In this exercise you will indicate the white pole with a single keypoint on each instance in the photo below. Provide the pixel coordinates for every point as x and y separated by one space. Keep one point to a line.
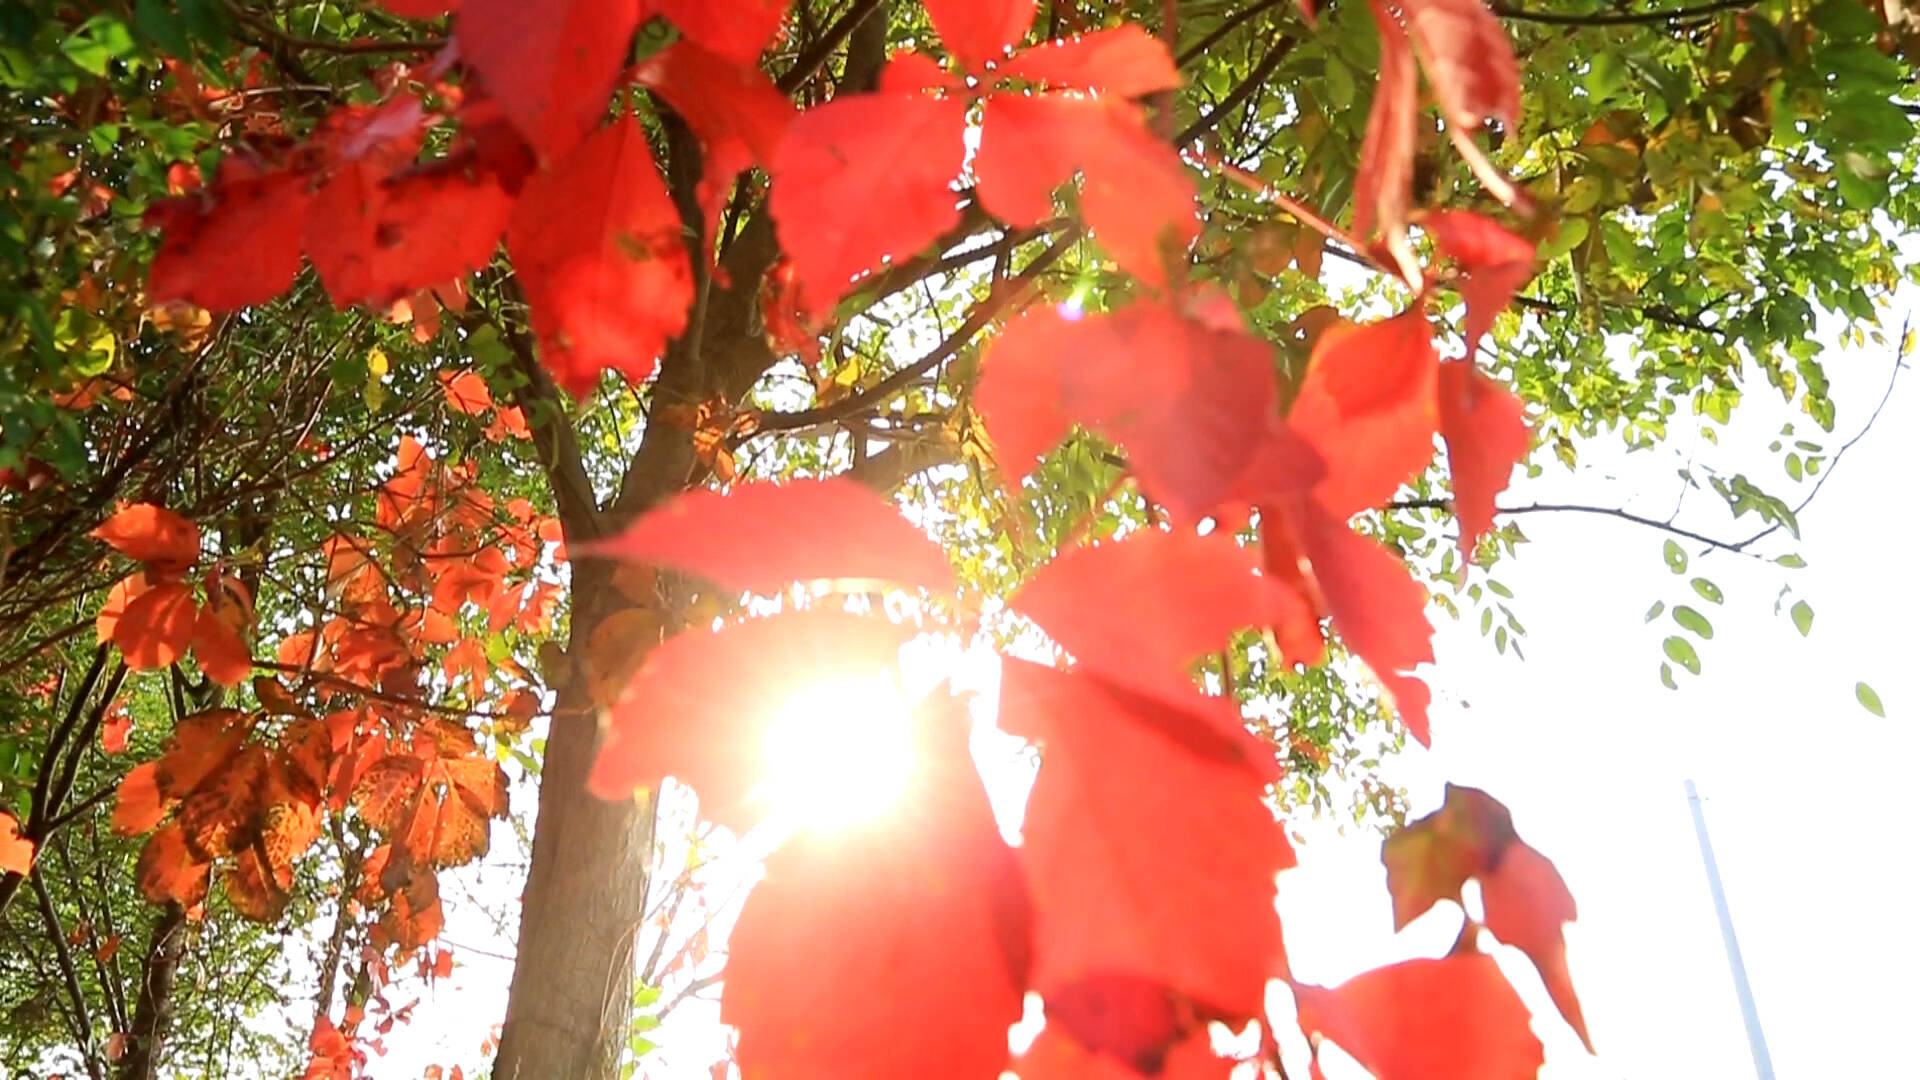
1762 1064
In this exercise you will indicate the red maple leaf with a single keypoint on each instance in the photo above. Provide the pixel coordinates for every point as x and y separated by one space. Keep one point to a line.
735 111
1369 405
976 31
231 245
596 244
1494 263
761 537
1449 1019
550 64
897 949
1486 432
735 29
1149 847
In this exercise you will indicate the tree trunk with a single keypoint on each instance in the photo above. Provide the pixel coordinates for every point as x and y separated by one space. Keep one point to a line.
155 1006
572 992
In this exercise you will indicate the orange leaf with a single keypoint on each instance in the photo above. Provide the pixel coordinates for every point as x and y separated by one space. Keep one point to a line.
165 541
1124 62
466 391
976 31
114 731
1449 1019
138 806
1485 427
1527 904
156 627
16 852
221 650
597 245
169 871
1369 404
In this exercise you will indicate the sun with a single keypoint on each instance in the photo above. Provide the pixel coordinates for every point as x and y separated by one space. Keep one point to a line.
838 754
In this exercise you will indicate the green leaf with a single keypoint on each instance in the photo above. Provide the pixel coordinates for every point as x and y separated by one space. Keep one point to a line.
1500 590
1792 562
1869 700
98 42
1676 558
1654 611
1803 617
1680 651
1708 590
1666 677
1694 621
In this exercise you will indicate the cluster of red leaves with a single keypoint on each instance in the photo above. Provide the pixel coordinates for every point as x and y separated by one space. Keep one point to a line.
1141 904
152 615
467 392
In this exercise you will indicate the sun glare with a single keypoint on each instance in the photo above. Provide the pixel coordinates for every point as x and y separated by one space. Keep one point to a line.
838 754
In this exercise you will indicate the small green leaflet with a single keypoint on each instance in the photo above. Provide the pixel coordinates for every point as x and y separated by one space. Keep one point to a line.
1676 558
1680 651
1869 700
1803 617
1654 611
1791 562
1666 677
1694 621
1708 590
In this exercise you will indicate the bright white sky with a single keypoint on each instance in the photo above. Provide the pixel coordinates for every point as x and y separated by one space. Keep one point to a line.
1807 794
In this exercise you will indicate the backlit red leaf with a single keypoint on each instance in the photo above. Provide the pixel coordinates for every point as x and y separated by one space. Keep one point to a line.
1190 403
221 649
734 110
1494 263
898 948
1430 859
861 179
1527 904
1164 1052
165 541
1149 849
376 239
551 64
761 537
156 627
137 805
233 244
114 731
466 391
1125 62
1383 182
1485 428
1449 1019
976 31
1376 605
735 29
1369 404
1468 59
16 852
696 713
168 871
597 246
1166 598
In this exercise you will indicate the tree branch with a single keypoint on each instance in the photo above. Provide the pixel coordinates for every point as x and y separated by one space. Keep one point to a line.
1615 18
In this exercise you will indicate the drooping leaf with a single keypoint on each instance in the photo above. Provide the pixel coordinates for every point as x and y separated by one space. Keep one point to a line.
1376 605
1167 598
16 852
761 537
550 64
1486 433
1802 613
232 244
861 179
597 246
1454 1018
1124 62
168 871
1468 59
156 627
221 649
735 29
1494 264
976 31
696 713
1383 182
1869 699
201 745
1370 404
735 111
1149 850
1527 904
166 542
900 948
